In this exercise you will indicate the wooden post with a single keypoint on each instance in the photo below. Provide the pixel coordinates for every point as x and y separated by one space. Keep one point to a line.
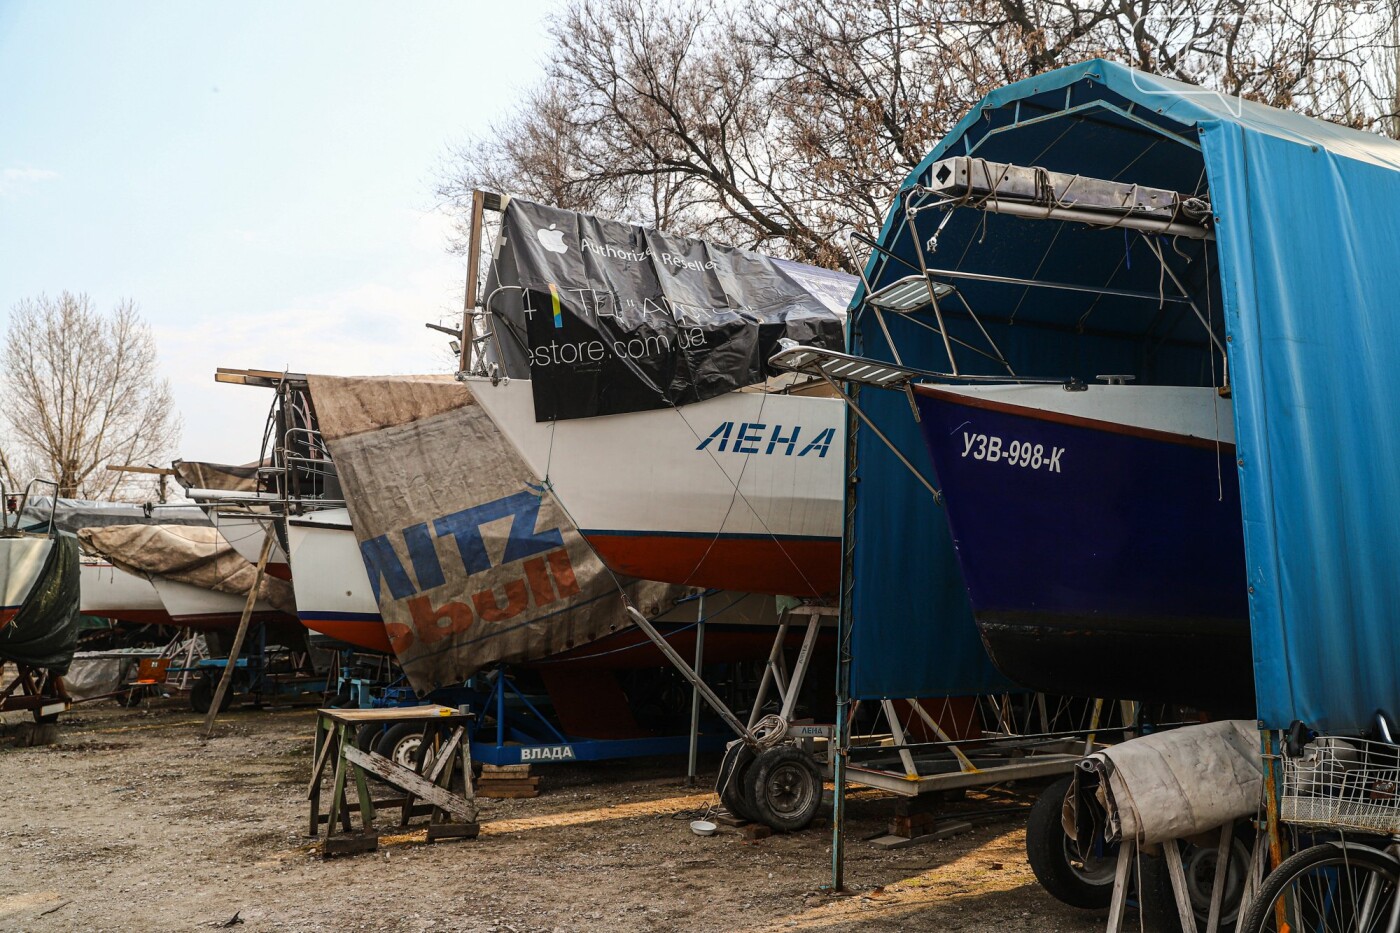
1171 851
224 681
473 261
1122 871
1223 851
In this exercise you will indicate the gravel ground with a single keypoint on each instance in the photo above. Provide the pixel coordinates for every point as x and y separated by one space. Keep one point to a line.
133 822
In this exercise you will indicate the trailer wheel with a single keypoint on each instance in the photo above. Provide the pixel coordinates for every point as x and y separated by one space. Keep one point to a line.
367 736
1159 901
202 695
732 784
400 745
785 788
132 698
1061 871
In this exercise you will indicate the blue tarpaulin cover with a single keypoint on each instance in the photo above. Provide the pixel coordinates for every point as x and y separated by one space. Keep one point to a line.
1303 281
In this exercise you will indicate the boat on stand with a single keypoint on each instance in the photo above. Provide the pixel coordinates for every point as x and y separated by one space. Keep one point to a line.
647 407
740 492
1097 526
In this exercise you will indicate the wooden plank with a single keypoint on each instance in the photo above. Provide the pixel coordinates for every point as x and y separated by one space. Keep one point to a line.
495 783
416 784
499 794
324 737
469 295
349 844
1177 873
227 679
418 809
337 787
1222 864
366 803
1122 874
323 750
400 714
445 755
943 831
438 831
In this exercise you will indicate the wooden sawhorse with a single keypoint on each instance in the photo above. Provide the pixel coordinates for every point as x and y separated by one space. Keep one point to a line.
425 787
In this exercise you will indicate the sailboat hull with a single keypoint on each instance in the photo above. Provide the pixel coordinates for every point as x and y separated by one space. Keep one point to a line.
1099 536
739 492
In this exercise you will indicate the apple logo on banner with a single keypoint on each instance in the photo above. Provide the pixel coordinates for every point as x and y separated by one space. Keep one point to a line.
552 240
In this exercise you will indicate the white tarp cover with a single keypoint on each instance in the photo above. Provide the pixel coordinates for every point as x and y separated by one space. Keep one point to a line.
1174 784
192 554
471 562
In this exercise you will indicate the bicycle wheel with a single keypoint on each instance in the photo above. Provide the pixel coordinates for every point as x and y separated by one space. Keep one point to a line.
1330 888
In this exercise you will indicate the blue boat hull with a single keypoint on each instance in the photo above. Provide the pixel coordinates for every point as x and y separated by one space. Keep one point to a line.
1098 561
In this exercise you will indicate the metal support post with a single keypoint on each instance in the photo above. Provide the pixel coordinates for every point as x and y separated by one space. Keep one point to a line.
690 773
774 655
699 684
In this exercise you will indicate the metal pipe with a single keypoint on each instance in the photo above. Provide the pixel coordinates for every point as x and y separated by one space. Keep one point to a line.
1097 219
690 772
1062 286
937 496
932 292
696 681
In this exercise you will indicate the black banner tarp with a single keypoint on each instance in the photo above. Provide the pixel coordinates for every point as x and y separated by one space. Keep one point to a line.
607 317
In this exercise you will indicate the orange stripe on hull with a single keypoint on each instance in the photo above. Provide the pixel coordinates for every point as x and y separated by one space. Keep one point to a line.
786 567
370 635
280 571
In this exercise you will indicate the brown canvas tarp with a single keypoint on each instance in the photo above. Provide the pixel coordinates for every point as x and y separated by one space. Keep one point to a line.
186 554
471 561
226 477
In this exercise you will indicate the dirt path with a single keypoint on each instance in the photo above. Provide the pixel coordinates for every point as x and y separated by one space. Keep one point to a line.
132 822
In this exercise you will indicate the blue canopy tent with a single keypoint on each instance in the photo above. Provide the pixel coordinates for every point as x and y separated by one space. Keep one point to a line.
1300 283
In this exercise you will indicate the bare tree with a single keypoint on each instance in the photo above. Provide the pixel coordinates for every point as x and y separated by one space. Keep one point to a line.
784 126
81 390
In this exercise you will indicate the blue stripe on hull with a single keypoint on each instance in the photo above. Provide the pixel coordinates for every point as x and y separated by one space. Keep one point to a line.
1128 539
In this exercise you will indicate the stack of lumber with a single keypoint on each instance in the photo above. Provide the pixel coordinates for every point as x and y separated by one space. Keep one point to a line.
502 781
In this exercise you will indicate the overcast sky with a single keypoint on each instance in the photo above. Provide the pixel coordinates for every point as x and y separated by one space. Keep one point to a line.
256 176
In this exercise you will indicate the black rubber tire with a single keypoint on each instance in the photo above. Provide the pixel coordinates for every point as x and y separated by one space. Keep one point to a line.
394 736
1261 916
202 694
367 736
1049 851
785 788
731 784
132 698
1158 901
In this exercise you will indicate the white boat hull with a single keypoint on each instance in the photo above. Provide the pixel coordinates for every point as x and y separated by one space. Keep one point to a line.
109 592
21 562
193 607
333 592
334 598
246 535
740 492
